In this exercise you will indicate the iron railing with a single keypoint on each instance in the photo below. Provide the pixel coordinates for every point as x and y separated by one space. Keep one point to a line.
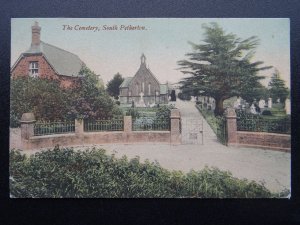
150 123
48 128
282 126
114 124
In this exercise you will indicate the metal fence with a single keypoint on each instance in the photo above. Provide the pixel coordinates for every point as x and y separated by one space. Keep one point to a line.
114 124
150 123
48 128
282 126
258 123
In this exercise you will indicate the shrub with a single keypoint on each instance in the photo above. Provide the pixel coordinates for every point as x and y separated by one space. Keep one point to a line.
266 113
134 113
184 96
91 173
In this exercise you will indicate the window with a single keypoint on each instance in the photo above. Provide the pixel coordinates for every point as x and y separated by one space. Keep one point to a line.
149 89
33 69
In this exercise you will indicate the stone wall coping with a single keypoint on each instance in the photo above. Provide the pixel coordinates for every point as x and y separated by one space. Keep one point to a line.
27 121
262 133
52 136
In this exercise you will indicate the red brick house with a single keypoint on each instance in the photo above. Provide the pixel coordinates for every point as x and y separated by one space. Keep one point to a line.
47 61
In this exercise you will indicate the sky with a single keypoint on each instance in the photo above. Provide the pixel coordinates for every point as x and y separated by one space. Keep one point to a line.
164 41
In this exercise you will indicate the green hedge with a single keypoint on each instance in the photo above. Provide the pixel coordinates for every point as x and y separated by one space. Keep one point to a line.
91 173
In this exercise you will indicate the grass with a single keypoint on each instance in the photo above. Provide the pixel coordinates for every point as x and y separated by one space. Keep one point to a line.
210 118
90 173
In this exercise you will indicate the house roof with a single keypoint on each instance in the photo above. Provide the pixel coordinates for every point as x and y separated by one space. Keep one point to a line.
125 83
63 62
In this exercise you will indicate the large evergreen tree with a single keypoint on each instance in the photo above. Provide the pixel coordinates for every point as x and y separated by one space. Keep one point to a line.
277 87
221 66
114 84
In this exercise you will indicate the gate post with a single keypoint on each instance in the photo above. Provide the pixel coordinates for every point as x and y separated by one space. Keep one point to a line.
127 124
175 126
231 126
27 126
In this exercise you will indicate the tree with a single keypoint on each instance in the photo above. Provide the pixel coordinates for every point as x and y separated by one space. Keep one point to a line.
43 97
258 92
114 84
173 96
89 100
221 66
277 87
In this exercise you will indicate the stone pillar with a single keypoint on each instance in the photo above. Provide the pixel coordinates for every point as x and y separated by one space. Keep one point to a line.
79 127
231 127
175 126
127 124
27 126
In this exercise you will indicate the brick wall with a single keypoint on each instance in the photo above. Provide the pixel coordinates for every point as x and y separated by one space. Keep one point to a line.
274 141
27 141
45 70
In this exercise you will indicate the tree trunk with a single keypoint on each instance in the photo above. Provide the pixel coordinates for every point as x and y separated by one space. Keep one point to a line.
219 110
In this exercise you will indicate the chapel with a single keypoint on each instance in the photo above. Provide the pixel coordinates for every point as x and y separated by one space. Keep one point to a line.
143 89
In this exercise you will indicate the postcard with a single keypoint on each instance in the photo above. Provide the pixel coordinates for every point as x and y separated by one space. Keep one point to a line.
150 108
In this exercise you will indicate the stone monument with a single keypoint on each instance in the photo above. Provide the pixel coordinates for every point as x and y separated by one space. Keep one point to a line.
270 103
261 103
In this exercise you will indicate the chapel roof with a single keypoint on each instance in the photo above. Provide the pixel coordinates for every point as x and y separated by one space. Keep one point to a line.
126 82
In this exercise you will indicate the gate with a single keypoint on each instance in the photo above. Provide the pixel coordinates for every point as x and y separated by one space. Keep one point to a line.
222 131
192 130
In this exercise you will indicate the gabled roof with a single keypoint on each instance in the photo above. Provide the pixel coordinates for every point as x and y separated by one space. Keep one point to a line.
63 62
125 83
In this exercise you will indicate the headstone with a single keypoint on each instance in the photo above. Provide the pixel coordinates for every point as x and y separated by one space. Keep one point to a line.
261 103
253 109
270 103
288 106
141 102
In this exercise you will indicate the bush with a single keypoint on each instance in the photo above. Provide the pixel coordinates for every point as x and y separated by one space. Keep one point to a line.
266 113
184 96
91 173
48 101
134 113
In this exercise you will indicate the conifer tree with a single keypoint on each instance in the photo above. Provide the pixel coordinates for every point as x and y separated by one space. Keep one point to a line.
222 66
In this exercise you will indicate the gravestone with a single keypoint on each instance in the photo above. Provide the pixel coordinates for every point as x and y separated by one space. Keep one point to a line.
288 106
270 103
141 102
261 103
253 109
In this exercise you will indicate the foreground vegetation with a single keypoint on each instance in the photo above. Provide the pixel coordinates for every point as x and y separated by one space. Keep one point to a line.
92 173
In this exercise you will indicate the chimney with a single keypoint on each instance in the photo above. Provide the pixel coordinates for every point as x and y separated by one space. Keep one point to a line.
36 34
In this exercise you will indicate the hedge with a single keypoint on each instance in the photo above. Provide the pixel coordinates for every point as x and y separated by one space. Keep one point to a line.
90 173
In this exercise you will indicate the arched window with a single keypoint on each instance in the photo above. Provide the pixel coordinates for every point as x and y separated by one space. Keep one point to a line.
137 88
143 87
